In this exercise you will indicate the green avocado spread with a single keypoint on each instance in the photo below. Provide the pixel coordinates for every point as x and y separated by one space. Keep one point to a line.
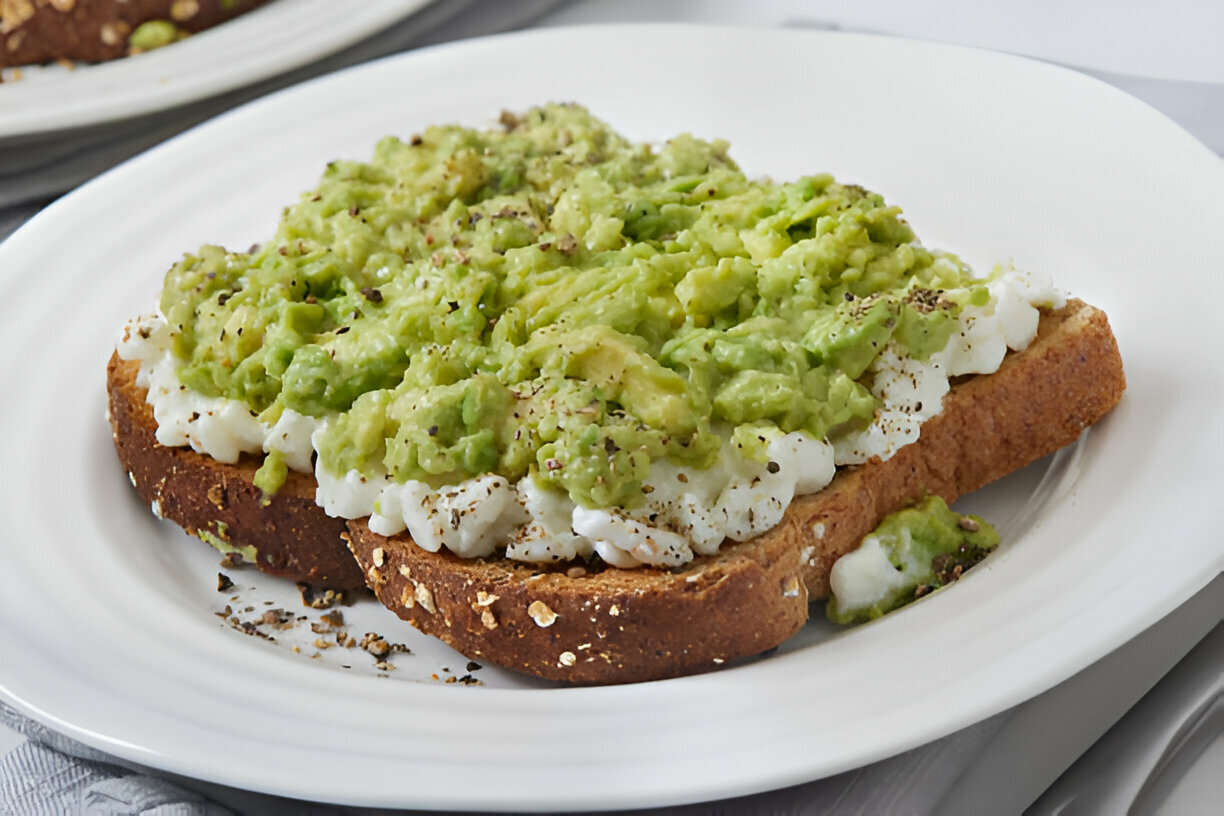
927 546
548 296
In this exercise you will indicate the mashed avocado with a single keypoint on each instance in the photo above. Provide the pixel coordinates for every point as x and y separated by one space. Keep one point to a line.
911 553
549 297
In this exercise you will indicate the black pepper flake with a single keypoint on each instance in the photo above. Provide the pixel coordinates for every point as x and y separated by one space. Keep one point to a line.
473 666
223 582
433 430
773 467
371 294
508 120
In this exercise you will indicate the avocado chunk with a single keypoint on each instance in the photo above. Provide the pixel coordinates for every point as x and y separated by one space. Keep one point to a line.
910 554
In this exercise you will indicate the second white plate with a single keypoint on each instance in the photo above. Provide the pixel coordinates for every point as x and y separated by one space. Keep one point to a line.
266 41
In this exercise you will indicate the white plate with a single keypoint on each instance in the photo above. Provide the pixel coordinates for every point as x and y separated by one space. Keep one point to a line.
262 43
108 628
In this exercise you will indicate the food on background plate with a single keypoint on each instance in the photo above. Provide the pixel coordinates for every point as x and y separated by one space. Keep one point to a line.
37 31
595 410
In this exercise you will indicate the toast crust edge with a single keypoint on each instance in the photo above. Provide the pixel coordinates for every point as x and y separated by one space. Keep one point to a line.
290 535
559 622
752 595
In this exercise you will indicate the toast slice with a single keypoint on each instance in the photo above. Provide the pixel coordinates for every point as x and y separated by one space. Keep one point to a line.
589 625
96 30
594 624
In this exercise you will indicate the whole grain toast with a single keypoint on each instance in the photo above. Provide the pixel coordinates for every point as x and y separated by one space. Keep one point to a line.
35 31
598 624
613 626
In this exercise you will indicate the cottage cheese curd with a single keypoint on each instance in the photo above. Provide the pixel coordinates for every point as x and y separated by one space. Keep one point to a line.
686 511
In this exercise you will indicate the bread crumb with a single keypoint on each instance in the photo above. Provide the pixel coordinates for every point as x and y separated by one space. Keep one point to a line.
425 598
378 556
320 598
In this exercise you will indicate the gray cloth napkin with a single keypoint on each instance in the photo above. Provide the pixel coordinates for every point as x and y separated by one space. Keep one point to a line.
51 774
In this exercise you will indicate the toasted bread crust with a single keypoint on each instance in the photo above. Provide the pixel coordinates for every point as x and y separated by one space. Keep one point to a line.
753 595
598 626
291 535
34 31
594 624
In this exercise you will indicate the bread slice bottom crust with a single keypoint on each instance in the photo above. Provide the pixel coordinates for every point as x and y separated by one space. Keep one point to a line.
286 535
590 625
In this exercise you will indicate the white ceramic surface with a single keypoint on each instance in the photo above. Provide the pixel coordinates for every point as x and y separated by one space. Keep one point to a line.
262 43
109 628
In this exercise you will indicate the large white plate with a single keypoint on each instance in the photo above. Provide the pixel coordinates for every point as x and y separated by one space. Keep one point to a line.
264 42
108 628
